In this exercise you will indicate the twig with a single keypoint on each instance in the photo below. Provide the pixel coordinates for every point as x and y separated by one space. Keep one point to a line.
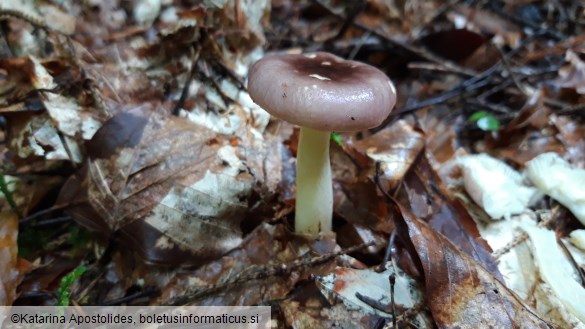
34 21
355 8
392 280
481 103
146 292
520 238
205 75
185 91
260 272
443 10
480 81
410 48
553 33
572 109
42 212
359 45
508 68
52 221
218 59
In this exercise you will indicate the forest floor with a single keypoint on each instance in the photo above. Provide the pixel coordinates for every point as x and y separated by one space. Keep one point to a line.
136 169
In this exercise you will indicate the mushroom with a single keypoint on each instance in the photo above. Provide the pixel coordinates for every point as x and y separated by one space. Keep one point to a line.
321 93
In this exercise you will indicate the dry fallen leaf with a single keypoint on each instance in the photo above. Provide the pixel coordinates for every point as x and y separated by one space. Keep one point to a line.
245 275
171 190
429 200
48 115
369 292
573 74
395 148
11 268
460 292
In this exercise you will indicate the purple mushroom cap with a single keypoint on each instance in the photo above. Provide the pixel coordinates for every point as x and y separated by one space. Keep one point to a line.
322 91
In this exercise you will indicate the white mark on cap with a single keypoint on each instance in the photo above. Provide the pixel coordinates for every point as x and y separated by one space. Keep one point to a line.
353 66
310 55
320 77
392 87
326 63
306 88
314 86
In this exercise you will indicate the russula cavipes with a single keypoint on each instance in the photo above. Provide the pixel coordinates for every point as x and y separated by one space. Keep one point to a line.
321 93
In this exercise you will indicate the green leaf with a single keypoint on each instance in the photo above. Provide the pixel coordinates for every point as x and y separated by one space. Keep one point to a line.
485 121
478 115
336 137
66 283
488 123
8 195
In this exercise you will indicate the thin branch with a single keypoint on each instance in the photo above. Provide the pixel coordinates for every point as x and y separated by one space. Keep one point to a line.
260 272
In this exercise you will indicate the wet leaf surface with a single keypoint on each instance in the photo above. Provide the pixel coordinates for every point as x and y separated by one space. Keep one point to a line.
428 200
461 293
12 269
132 148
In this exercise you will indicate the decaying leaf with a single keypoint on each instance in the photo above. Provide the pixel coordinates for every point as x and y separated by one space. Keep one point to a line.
570 135
358 201
168 187
429 200
460 292
573 74
245 275
57 133
11 268
45 13
369 292
395 148
210 190
308 309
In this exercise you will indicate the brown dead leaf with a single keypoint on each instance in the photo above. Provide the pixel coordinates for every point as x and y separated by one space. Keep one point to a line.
571 134
267 246
430 201
454 44
63 117
529 134
357 199
45 275
482 20
359 204
173 191
11 268
460 292
533 114
572 75
308 309
406 17
440 138
395 148
45 13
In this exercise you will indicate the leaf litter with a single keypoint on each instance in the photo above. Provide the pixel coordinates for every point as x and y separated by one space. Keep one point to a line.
131 122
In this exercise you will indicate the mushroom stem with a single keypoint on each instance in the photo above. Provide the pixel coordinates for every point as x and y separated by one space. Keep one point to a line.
314 205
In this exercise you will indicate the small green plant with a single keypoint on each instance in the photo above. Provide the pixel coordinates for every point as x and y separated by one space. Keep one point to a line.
67 281
336 137
8 195
485 121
